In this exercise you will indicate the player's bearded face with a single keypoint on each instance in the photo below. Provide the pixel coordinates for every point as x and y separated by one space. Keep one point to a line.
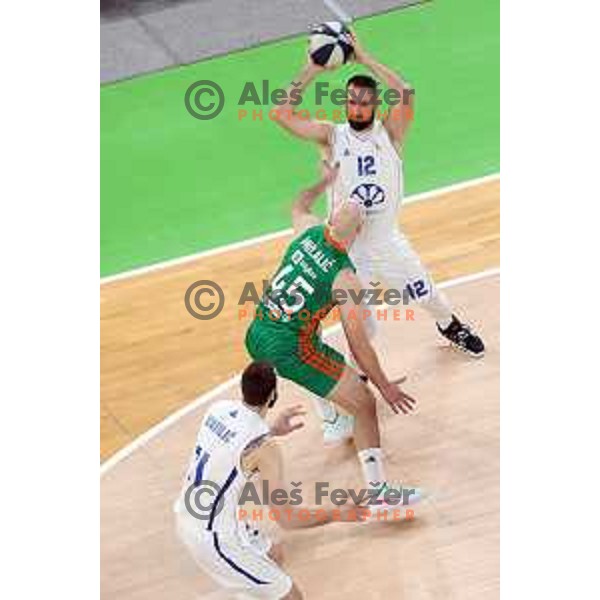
360 107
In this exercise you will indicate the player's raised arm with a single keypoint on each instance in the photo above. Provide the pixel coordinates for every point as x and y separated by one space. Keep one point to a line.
400 115
362 350
306 129
302 215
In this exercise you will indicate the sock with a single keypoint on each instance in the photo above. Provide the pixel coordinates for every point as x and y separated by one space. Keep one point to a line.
371 461
444 323
439 308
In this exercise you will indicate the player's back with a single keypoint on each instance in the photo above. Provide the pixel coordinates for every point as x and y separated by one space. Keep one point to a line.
370 174
227 429
300 292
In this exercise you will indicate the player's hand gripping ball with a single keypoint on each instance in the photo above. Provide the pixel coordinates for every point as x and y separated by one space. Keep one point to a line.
330 45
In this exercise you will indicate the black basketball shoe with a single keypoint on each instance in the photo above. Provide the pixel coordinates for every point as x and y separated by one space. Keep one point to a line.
463 338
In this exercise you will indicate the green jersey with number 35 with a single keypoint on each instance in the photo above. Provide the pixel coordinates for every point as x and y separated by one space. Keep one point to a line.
302 288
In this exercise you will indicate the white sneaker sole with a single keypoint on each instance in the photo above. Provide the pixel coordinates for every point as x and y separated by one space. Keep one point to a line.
464 350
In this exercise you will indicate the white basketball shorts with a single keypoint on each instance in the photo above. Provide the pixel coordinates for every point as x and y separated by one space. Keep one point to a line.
236 561
391 262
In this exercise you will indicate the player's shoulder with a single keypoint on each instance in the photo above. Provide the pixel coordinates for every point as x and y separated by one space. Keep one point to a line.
336 126
337 131
325 132
232 412
340 128
346 278
316 228
222 406
380 129
308 228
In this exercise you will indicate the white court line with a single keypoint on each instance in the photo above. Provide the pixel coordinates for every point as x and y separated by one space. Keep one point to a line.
468 278
208 396
278 234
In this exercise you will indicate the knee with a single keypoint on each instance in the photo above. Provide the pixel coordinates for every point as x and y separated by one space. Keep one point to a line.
293 594
276 553
366 405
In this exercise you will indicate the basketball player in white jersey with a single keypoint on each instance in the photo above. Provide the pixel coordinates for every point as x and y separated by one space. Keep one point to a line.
234 444
369 152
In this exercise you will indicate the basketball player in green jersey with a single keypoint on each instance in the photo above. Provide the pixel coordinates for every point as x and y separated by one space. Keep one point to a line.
315 275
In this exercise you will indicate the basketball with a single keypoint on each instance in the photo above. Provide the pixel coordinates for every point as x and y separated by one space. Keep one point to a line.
330 45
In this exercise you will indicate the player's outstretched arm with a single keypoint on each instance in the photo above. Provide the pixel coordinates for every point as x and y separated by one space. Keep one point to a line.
306 129
400 115
351 312
302 215
288 421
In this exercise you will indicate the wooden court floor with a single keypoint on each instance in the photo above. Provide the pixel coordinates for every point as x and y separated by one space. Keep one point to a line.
156 358
450 447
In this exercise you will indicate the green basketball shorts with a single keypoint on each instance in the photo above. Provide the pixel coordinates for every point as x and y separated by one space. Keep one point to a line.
297 355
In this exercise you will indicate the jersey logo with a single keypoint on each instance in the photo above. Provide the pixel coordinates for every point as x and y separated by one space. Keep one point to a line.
370 194
346 152
233 414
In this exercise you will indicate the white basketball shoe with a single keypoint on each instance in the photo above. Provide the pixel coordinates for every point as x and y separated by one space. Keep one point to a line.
392 501
338 431
337 428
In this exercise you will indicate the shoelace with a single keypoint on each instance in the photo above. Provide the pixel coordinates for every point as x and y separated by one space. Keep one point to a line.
463 333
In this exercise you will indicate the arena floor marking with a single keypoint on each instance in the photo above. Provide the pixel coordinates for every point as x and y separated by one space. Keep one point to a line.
430 194
206 397
153 362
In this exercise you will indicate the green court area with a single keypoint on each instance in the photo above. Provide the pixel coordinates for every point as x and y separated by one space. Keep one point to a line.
173 185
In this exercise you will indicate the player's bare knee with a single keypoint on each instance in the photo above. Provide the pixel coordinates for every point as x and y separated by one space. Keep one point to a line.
293 594
276 553
366 405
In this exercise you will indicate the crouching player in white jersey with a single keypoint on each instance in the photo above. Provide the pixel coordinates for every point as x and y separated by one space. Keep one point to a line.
369 152
235 443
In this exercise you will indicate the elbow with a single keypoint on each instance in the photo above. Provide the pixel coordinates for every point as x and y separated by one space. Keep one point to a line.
282 114
277 112
304 201
409 97
298 207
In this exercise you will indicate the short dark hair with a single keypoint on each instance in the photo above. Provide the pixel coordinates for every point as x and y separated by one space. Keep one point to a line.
258 382
362 81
